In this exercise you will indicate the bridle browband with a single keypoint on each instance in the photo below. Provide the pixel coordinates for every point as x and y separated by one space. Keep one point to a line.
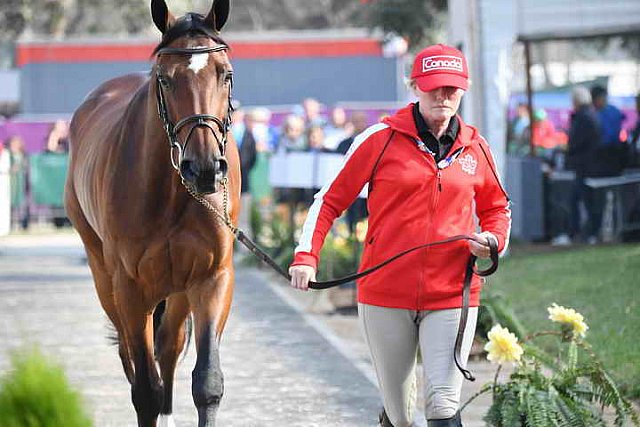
201 120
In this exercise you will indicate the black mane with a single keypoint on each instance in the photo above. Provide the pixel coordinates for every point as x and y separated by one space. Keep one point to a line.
192 24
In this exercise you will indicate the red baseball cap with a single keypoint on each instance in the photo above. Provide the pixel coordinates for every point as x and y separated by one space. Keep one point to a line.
440 65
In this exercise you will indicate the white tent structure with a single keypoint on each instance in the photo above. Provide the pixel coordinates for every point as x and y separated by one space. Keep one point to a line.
486 31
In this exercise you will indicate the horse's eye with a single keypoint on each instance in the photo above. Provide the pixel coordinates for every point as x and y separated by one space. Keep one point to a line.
164 82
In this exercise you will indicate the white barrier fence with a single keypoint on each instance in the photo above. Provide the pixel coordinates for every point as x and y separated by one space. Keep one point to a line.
305 169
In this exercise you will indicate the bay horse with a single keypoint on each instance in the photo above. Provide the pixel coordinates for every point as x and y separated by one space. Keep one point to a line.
147 239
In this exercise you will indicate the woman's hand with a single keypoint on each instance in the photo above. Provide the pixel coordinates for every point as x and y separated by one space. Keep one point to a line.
301 275
481 250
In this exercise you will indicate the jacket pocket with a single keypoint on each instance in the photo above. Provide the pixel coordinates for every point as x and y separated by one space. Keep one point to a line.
368 253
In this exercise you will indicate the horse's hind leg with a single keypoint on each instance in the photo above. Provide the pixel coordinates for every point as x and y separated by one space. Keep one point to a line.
170 341
210 303
103 281
104 289
137 321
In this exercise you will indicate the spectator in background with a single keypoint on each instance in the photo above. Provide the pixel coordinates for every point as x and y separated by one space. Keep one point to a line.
292 136
311 108
337 130
634 139
18 179
266 138
237 125
315 139
610 151
584 137
57 143
518 138
545 136
358 209
5 191
359 123
248 154
57 139
265 135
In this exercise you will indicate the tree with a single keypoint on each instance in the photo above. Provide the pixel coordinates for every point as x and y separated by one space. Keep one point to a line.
13 19
260 15
415 20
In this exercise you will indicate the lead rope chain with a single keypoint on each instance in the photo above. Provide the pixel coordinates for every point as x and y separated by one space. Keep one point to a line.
223 217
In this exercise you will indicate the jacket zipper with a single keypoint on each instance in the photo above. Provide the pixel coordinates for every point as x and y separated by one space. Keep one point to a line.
445 163
434 205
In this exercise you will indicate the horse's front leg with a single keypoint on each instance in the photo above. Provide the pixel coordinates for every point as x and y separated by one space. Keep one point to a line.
210 302
170 341
135 313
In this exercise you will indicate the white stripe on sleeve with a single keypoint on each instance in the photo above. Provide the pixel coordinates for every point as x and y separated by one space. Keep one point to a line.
498 176
312 217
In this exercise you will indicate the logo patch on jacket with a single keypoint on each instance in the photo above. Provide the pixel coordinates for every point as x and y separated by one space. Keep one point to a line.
468 164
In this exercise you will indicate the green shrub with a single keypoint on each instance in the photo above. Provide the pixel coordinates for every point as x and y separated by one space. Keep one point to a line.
338 258
495 309
36 393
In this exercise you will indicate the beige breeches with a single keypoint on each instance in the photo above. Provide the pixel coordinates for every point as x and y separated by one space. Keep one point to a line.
394 336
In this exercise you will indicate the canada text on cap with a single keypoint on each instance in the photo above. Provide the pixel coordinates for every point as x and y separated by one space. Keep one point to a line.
440 65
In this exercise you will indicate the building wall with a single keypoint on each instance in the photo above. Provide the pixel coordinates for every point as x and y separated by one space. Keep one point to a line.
484 30
9 82
544 17
55 78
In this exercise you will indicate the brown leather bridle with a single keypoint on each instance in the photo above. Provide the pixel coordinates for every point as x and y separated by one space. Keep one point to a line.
199 120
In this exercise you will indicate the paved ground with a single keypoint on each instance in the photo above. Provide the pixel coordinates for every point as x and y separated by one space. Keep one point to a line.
282 366
278 369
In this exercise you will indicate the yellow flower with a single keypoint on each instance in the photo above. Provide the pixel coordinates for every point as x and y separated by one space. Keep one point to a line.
569 316
339 242
342 230
502 346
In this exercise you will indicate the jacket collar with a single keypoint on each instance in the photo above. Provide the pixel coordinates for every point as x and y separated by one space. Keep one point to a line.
402 121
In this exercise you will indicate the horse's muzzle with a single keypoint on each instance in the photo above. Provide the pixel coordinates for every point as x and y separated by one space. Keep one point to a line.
204 177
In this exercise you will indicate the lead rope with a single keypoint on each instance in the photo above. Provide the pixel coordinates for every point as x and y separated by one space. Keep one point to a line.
238 234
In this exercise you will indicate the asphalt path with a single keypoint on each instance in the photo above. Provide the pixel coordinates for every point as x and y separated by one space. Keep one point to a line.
279 370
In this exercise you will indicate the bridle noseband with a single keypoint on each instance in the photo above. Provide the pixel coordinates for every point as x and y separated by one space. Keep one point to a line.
199 120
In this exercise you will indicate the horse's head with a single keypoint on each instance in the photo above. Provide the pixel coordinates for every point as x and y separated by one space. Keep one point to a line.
193 79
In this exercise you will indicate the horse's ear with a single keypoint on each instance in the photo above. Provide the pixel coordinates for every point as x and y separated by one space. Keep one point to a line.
161 15
218 14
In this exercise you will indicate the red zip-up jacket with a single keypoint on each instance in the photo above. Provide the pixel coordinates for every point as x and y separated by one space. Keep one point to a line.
412 201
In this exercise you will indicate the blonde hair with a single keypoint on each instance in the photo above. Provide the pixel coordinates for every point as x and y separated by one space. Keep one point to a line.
412 85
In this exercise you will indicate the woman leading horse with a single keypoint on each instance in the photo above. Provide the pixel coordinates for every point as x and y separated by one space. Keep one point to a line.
147 238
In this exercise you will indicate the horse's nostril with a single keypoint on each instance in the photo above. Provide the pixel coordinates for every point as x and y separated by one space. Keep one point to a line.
188 170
